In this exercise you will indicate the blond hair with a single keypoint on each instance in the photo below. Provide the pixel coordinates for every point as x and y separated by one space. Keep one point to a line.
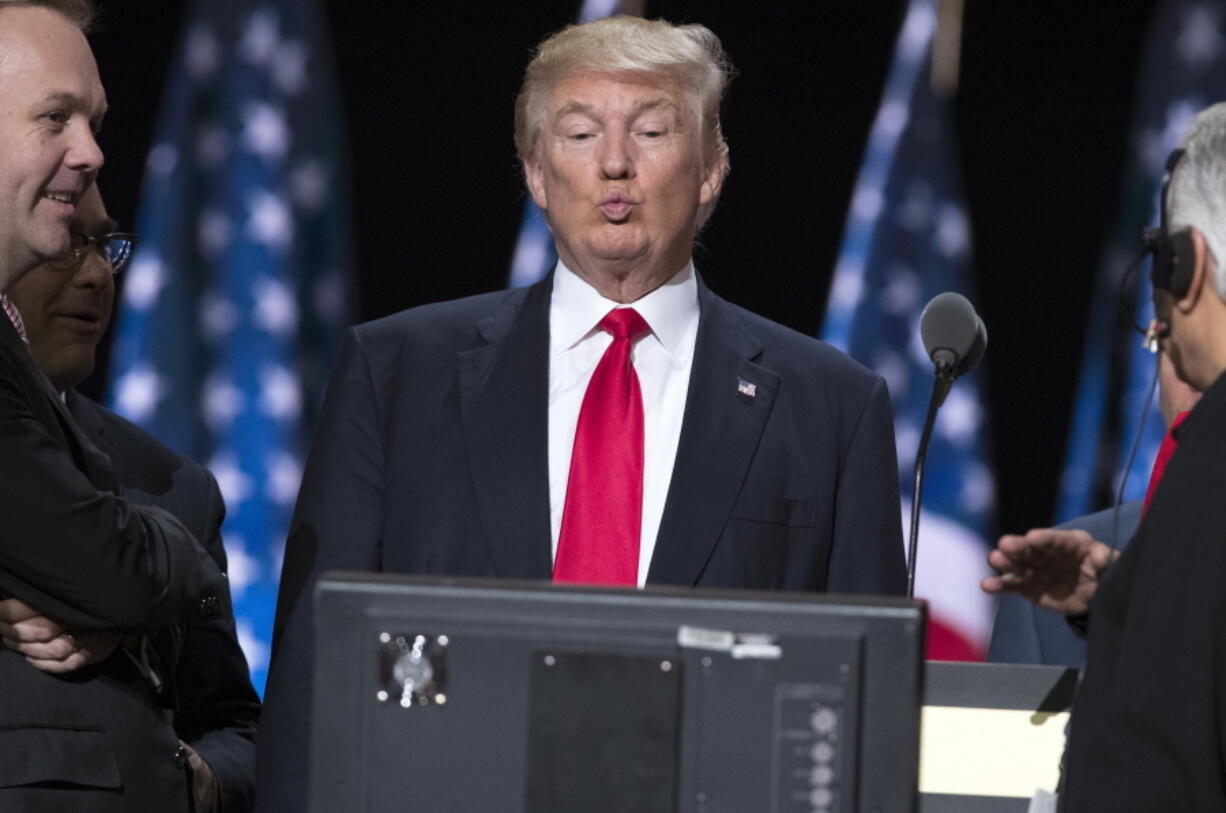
689 55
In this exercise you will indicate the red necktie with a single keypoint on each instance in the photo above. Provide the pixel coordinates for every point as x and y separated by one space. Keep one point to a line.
602 518
1165 452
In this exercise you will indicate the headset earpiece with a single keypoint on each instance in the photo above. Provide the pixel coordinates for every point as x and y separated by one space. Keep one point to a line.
1174 252
1183 262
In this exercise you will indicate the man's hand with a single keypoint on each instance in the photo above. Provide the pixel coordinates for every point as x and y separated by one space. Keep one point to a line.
1055 569
46 644
204 784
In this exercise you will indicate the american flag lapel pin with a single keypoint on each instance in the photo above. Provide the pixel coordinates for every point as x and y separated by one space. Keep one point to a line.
746 388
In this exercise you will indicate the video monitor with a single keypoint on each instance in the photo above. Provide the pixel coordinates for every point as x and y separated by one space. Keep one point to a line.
466 696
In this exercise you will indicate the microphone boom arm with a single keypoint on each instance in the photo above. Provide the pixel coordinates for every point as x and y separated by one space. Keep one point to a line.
940 388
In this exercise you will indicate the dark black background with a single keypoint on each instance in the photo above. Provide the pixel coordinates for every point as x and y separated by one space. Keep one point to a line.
1042 118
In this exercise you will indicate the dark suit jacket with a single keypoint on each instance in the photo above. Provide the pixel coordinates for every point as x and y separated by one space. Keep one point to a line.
1149 721
1024 633
431 457
216 709
73 549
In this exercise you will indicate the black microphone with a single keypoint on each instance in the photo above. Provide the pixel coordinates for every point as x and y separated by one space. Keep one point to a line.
955 338
953 334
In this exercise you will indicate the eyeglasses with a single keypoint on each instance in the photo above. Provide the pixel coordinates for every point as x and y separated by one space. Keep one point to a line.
115 247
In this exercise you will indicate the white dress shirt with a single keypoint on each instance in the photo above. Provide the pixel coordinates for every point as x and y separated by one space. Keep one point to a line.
662 359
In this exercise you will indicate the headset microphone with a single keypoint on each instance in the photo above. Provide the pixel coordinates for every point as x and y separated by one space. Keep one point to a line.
1157 330
1174 260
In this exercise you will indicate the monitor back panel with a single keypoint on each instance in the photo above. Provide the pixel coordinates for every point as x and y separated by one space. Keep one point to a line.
540 699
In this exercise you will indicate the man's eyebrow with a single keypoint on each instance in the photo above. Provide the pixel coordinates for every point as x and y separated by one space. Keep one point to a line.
654 103
657 103
109 226
76 104
65 98
572 106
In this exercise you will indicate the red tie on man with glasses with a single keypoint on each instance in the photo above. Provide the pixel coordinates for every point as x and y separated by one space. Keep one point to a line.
602 517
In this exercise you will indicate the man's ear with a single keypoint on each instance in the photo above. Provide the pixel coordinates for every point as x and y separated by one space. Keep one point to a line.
713 180
534 175
1201 275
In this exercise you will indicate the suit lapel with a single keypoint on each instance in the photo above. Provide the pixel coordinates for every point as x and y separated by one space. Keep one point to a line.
504 391
93 429
93 462
729 399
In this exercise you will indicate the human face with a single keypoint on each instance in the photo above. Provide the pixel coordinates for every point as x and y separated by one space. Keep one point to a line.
51 104
66 311
619 174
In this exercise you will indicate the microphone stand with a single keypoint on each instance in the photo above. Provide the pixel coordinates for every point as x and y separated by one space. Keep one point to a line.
940 388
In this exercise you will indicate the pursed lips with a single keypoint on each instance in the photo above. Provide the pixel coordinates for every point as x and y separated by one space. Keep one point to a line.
617 207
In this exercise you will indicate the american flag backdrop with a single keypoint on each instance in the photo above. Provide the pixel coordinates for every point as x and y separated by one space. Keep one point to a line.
907 239
234 302
1183 70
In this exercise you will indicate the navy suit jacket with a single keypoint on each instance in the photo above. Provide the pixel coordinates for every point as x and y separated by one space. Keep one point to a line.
1025 633
430 457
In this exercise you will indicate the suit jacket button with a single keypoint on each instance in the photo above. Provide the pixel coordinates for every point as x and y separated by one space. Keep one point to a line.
210 606
181 757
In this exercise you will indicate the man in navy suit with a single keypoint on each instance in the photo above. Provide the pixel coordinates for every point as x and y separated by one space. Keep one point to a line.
617 422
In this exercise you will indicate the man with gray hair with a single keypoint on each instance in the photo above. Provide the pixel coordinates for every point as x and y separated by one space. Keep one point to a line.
1149 727
617 423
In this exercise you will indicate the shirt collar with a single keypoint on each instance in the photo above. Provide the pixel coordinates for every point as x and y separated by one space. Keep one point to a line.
14 315
576 308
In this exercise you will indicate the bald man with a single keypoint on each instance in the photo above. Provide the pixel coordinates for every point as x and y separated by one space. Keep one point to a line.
98 570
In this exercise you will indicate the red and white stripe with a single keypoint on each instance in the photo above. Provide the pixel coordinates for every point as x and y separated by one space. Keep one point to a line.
952 560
